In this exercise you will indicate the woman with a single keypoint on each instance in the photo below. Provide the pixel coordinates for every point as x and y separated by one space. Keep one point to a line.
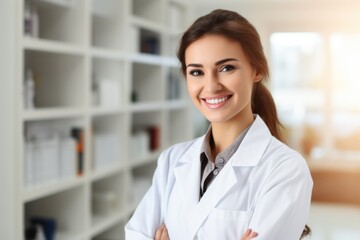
239 176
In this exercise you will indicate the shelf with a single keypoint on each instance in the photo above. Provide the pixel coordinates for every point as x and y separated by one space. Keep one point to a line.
107 172
107 54
101 68
176 104
49 189
108 26
140 161
42 45
60 20
145 107
51 113
60 3
102 111
101 223
59 79
148 25
66 208
68 235
155 60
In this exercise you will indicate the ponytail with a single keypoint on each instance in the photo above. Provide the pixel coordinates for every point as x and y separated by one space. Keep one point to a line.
263 104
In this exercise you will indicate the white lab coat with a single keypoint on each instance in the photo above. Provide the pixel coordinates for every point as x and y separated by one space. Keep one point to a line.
265 186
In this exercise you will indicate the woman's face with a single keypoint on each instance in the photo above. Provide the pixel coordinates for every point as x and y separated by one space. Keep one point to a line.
220 79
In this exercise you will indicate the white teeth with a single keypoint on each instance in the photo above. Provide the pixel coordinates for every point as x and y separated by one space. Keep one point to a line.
216 100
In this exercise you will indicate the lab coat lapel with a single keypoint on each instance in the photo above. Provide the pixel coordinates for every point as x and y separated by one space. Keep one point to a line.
218 188
187 174
248 154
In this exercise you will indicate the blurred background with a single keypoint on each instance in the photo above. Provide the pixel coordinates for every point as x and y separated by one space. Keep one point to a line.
91 93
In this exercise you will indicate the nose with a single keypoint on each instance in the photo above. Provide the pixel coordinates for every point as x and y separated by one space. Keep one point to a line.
213 84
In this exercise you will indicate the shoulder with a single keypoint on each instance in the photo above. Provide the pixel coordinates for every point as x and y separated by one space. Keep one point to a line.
174 153
282 159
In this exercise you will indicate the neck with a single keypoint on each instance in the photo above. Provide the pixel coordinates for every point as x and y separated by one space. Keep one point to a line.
225 133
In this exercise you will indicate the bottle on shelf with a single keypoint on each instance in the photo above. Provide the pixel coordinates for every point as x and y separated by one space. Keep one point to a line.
31 21
29 89
27 21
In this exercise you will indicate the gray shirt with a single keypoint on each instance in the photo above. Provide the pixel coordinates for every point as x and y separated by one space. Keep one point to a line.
210 168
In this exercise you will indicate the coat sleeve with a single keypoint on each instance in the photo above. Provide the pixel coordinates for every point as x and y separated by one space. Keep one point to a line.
149 214
282 209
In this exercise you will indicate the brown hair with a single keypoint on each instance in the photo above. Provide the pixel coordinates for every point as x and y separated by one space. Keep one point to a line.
234 26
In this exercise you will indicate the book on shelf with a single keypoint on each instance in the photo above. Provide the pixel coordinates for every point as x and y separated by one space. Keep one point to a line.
154 132
150 45
78 135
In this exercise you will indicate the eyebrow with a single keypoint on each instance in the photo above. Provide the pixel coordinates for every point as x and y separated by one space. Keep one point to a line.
216 63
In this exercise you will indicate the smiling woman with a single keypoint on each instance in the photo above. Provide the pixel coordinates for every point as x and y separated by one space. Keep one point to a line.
238 181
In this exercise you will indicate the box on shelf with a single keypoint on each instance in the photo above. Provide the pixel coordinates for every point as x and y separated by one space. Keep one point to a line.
48 160
106 150
139 144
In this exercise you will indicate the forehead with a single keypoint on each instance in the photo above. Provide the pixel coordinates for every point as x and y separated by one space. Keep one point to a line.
212 48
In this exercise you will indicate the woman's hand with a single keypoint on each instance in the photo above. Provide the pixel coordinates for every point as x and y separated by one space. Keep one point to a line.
162 233
249 234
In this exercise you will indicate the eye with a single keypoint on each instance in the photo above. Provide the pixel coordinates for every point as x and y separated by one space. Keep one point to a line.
227 68
196 72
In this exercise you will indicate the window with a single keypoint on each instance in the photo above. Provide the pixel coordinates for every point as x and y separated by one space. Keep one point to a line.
316 86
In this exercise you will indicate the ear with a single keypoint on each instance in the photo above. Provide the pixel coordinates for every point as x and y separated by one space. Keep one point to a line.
258 77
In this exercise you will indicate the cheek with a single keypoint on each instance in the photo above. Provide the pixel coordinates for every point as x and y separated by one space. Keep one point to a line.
243 85
192 89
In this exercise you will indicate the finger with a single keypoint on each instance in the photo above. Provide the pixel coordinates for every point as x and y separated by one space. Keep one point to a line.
159 232
253 235
246 234
165 235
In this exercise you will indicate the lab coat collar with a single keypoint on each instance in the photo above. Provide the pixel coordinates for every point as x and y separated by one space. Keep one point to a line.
253 145
249 152
187 173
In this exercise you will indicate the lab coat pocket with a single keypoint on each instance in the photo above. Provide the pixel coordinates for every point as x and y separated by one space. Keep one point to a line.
226 224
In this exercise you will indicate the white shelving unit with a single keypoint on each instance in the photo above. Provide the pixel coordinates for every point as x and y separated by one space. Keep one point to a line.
107 69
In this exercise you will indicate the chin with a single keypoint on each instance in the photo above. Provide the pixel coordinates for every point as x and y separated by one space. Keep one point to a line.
217 119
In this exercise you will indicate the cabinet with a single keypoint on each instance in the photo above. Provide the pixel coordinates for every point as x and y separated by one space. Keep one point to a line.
107 97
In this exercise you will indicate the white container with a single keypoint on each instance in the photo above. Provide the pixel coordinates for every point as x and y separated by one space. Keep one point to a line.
48 160
140 144
109 93
29 164
67 158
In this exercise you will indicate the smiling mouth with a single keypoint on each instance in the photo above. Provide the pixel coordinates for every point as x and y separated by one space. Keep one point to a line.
217 100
